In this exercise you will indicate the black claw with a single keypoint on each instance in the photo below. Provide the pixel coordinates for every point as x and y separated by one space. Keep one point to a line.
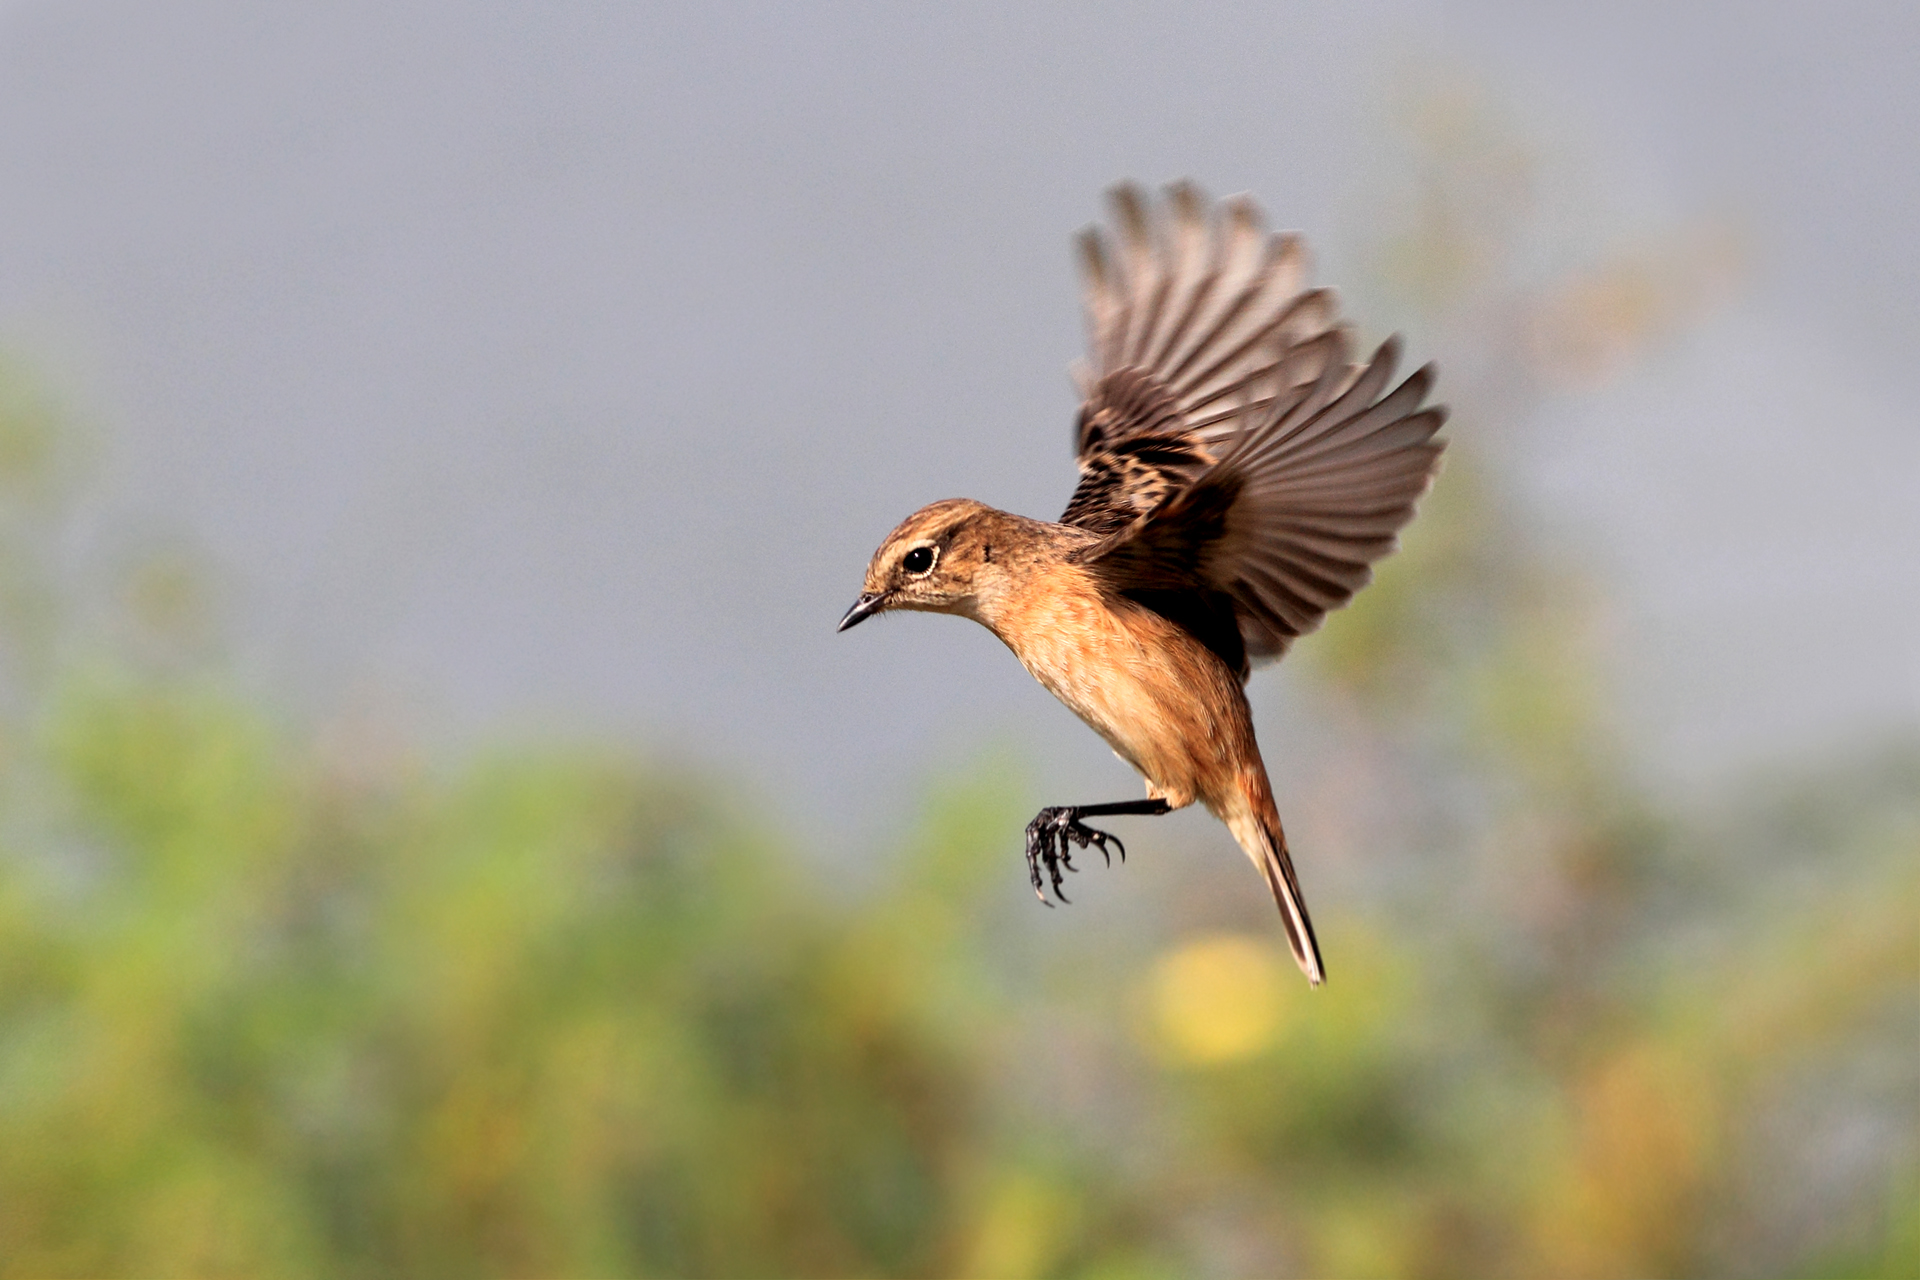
1051 838
1039 852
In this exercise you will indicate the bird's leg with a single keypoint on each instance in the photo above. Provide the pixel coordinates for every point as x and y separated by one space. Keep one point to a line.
1052 835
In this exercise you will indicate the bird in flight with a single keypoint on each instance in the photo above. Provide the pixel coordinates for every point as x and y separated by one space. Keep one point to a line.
1239 473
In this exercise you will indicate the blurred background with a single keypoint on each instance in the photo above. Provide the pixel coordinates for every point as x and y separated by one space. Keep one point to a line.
440 832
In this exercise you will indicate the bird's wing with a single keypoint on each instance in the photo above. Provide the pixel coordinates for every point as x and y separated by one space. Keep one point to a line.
1199 325
1288 518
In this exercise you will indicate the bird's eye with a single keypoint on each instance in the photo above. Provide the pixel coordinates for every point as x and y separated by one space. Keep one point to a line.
917 561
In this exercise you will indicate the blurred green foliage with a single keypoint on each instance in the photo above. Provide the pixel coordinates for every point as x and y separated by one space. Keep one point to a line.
292 1003
279 1006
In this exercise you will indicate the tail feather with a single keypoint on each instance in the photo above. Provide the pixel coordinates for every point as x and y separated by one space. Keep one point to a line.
1260 834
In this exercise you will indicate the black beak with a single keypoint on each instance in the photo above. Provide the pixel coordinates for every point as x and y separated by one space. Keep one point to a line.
865 607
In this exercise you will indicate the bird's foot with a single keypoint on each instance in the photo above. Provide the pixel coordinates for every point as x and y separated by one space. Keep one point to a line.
1050 840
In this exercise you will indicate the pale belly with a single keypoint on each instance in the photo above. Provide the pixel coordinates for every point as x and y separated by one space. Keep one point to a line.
1147 688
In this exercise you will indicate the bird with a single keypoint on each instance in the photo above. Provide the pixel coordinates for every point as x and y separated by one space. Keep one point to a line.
1240 473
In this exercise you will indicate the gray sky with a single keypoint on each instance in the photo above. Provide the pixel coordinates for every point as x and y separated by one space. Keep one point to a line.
562 364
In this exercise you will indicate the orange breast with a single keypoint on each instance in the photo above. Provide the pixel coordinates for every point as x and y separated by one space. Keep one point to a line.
1165 704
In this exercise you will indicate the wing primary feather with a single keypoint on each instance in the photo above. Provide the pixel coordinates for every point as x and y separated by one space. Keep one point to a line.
1401 402
1240 249
1382 434
1187 242
1234 307
1265 333
1138 266
1100 293
1330 348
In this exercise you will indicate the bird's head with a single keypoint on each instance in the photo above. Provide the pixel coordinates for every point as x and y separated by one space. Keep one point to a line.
938 560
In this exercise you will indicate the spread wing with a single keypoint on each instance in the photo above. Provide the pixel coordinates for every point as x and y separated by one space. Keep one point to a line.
1244 475
1197 325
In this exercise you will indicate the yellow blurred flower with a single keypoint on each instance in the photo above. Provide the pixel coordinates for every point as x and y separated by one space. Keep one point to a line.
1218 999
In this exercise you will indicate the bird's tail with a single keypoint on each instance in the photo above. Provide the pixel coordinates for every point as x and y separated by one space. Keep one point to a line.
1257 828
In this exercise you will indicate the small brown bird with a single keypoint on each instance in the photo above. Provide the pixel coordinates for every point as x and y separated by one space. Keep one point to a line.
1237 477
